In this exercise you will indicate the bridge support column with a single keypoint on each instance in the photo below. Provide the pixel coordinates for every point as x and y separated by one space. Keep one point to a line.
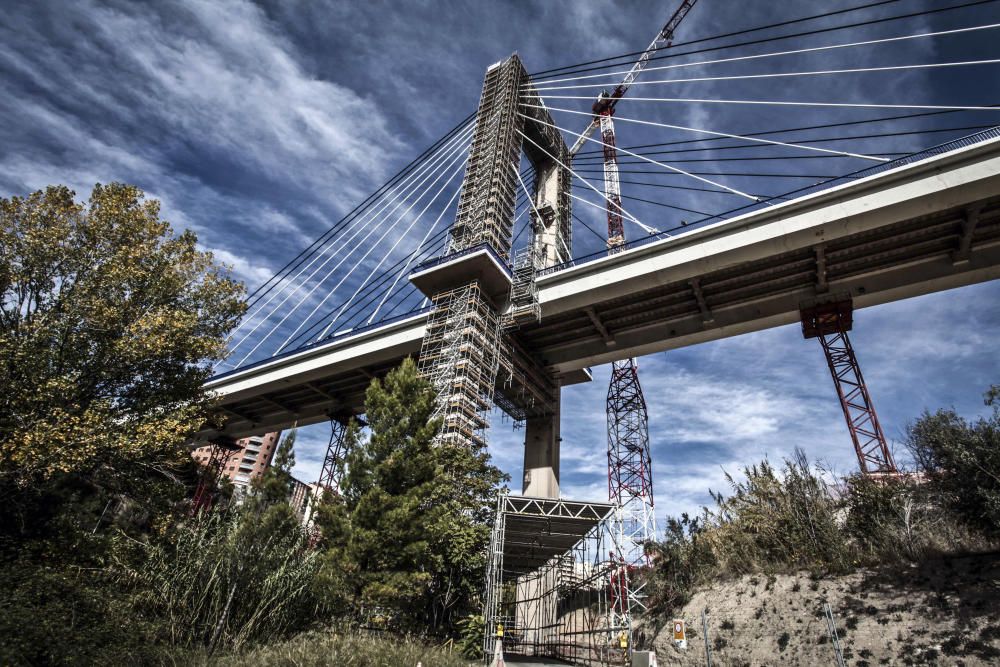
830 322
541 454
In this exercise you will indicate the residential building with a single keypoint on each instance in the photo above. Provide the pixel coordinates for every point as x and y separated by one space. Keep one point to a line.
245 464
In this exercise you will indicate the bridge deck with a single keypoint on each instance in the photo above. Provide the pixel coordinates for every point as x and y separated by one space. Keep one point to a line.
900 233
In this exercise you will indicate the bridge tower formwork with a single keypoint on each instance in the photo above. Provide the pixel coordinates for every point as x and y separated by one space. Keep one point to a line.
470 352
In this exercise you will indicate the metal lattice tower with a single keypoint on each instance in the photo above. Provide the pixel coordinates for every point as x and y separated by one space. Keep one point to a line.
329 476
630 466
830 323
630 484
209 478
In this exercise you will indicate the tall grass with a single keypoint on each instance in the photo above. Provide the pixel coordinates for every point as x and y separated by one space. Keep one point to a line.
324 649
227 580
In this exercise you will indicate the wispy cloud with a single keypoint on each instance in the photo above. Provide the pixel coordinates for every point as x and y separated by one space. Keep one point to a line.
259 124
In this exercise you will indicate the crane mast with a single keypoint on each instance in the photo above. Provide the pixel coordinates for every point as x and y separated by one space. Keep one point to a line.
630 464
612 189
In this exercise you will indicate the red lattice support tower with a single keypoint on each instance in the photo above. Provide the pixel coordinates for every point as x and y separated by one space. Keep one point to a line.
211 472
630 482
630 467
329 475
830 322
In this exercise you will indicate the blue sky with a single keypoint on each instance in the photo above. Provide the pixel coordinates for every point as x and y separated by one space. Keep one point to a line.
258 125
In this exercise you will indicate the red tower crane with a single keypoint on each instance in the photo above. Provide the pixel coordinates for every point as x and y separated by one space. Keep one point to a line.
630 465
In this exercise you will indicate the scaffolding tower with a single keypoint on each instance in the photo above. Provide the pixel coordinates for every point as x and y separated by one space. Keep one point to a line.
478 299
546 590
524 305
460 356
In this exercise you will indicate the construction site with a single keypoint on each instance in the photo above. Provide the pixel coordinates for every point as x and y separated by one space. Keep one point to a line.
510 334
506 329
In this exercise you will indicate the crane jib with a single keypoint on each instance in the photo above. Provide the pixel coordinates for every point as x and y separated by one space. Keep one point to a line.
608 101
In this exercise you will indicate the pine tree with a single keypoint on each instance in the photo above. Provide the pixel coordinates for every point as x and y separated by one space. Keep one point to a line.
412 523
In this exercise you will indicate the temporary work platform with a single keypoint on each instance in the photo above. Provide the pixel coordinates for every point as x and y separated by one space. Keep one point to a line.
548 581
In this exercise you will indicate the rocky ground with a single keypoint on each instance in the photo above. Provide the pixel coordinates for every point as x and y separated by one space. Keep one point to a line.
941 612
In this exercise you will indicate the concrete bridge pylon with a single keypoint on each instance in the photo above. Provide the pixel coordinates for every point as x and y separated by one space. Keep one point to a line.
470 352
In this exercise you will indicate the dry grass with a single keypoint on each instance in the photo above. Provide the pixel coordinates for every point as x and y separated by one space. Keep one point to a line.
321 649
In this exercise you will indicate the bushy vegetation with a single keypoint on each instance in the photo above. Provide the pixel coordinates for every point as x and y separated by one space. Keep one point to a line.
799 517
962 461
109 326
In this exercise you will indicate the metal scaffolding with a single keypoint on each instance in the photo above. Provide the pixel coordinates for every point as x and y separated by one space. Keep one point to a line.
546 590
830 322
524 306
467 341
460 356
486 205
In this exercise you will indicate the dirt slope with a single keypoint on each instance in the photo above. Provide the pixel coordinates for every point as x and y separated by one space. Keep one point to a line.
942 612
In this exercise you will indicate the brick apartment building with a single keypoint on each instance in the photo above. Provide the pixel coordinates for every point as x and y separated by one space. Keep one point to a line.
303 499
248 462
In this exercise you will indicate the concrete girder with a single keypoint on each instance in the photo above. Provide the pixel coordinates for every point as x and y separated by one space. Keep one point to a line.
969 223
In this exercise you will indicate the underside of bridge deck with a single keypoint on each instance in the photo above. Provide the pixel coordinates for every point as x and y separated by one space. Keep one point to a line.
928 226
905 259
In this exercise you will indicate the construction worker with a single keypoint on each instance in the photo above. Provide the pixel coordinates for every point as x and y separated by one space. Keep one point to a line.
623 645
500 630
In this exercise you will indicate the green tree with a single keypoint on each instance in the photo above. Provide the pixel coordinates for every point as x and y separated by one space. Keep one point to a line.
412 521
962 458
109 324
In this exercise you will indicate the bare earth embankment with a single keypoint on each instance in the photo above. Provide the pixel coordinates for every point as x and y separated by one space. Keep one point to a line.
940 612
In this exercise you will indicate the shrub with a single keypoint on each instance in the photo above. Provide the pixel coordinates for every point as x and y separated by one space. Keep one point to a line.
962 459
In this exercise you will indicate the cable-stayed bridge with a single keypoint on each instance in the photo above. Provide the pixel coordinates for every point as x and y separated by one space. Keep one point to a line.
929 224
478 258
500 206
